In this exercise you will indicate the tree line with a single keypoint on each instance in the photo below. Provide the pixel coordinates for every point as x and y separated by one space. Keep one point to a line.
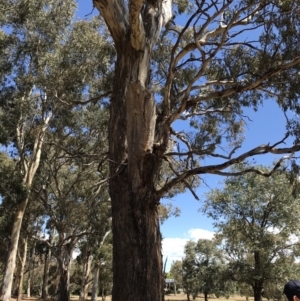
255 250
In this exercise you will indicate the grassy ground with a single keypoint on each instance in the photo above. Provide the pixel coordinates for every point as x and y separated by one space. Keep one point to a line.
178 297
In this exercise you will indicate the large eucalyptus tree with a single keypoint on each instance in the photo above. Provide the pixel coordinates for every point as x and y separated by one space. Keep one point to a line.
220 57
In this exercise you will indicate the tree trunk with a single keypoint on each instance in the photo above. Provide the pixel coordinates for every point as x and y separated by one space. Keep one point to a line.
22 269
137 260
46 274
85 278
103 294
257 289
134 158
29 173
64 286
258 284
17 273
30 268
14 241
44 295
188 296
205 296
95 283
64 263
139 263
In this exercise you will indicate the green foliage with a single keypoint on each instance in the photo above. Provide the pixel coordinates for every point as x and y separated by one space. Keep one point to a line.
255 218
176 272
204 269
12 189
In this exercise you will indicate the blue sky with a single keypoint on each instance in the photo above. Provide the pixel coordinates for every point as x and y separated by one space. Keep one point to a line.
267 125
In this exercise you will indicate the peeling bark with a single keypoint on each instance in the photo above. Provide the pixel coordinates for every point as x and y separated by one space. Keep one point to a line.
137 260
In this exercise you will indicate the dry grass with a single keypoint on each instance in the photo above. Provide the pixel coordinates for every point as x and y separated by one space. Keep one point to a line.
178 297
182 297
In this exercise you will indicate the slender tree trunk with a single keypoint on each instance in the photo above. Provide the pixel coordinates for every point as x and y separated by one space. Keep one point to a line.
29 173
22 269
188 296
205 296
257 290
14 241
85 278
17 273
95 283
103 294
46 274
258 283
30 268
47 266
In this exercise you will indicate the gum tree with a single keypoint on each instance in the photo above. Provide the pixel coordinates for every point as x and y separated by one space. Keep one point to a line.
46 68
253 218
202 69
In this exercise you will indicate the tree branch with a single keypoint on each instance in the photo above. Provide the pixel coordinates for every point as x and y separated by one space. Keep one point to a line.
248 86
137 34
116 19
217 168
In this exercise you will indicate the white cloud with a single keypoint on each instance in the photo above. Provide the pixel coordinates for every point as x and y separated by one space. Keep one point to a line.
173 248
196 234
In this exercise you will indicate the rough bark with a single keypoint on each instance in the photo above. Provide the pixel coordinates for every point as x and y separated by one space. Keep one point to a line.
138 268
137 260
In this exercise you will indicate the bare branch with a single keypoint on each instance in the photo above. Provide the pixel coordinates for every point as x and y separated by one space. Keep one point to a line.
217 168
184 181
243 87
92 100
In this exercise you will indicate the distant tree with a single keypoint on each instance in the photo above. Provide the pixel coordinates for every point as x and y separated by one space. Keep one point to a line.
255 218
176 273
204 269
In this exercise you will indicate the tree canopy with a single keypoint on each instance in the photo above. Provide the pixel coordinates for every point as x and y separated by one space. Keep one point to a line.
256 219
